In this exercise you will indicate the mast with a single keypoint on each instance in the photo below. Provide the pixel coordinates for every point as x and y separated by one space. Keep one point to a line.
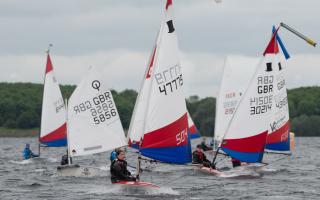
217 103
68 146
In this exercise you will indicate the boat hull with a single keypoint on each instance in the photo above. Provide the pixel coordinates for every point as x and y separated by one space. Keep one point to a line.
77 170
137 184
210 171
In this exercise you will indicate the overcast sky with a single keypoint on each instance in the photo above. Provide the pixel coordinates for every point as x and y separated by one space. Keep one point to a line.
116 36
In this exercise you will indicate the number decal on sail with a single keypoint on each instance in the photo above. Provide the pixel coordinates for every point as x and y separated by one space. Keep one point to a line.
181 137
262 104
100 106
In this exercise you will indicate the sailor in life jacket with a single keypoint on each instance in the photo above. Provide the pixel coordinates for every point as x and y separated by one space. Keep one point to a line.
118 169
27 153
198 157
237 163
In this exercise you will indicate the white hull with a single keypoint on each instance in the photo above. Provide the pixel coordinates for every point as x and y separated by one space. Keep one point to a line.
80 171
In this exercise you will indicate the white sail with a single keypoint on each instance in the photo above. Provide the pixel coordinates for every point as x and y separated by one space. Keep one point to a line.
246 134
53 116
136 128
279 127
162 113
237 73
93 121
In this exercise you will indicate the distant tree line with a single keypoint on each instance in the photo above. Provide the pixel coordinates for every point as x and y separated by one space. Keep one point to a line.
20 107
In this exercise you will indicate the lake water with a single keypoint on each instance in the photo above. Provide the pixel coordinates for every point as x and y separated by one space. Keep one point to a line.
294 178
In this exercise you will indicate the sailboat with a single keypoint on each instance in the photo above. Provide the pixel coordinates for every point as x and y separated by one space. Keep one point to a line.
246 134
232 87
53 116
159 124
93 122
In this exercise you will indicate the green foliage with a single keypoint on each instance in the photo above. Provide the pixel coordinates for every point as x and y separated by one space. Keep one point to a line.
21 104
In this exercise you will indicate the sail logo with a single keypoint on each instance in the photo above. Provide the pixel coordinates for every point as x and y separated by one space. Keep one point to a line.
170 26
96 84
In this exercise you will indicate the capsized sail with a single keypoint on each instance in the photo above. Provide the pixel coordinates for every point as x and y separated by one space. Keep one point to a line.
163 115
93 120
231 90
53 116
246 135
279 127
192 130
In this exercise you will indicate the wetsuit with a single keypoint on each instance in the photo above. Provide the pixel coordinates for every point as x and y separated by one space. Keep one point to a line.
27 154
64 160
199 157
119 171
235 162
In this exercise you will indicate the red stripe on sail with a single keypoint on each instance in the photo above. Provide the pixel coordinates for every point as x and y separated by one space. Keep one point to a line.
151 63
250 144
280 135
193 129
272 47
57 134
172 135
169 2
49 67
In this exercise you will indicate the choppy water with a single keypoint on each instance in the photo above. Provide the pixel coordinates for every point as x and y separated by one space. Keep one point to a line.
298 178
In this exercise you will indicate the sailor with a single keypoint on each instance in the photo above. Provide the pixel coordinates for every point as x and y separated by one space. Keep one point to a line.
204 146
27 153
64 159
118 169
198 157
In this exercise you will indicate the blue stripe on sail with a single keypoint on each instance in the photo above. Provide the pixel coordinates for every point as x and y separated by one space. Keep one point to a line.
195 135
283 48
279 146
56 143
177 155
243 156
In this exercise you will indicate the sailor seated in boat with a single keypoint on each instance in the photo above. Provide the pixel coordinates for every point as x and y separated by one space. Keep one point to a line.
27 153
64 159
198 157
118 169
